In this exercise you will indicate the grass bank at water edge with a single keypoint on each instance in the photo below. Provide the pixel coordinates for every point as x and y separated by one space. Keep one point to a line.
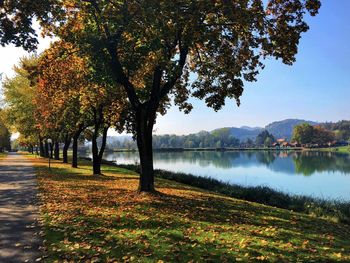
103 219
337 211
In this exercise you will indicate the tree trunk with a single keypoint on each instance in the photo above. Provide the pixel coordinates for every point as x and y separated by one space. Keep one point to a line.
51 150
67 142
46 150
75 151
36 150
97 154
57 151
104 142
41 146
96 164
75 146
144 128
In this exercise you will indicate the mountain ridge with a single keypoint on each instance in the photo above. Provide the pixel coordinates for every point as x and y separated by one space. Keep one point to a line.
279 129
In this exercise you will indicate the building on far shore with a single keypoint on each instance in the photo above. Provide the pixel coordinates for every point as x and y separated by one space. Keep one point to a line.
283 143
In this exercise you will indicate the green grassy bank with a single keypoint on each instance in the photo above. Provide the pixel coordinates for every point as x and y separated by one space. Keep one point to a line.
103 219
337 211
341 149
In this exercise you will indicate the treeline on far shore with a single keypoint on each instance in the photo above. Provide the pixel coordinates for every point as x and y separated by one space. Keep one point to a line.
308 136
210 149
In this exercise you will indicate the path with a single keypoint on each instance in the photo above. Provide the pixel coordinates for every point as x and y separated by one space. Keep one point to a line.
19 232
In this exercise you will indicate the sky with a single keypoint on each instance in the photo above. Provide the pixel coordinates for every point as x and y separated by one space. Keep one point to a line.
316 87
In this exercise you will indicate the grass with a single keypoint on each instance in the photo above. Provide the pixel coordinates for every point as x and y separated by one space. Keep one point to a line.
337 211
3 154
340 149
102 219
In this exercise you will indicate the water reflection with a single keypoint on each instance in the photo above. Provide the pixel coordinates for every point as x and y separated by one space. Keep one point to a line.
310 162
287 162
318 174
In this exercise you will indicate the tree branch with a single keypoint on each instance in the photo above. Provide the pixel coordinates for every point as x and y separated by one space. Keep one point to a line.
120 76
181 64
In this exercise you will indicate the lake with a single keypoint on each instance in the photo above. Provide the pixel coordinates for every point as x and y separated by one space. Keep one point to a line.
318 174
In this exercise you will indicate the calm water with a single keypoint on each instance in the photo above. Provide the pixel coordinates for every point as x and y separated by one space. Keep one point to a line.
318 174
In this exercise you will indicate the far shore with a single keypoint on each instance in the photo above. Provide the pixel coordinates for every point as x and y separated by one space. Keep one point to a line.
342 149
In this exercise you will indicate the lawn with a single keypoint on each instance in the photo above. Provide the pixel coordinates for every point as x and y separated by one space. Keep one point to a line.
341 149
104 219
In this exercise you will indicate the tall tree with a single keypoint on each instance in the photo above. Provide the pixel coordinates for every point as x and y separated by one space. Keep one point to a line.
152 47
19 94
5 136
105 108
303 133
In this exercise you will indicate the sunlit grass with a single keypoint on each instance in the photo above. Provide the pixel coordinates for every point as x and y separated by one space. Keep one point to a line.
341 149
103 218
336 210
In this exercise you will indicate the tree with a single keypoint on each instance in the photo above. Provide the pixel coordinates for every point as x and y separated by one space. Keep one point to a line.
249 142
103 110
16 19
264 138
153 46
307 134
5 136
303 133
69 83
322 136
19 111
341 129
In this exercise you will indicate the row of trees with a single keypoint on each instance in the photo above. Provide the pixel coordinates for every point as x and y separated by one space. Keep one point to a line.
218 139
341 129
137 56
199 140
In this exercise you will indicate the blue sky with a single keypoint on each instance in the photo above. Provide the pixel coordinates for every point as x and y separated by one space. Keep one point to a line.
316 87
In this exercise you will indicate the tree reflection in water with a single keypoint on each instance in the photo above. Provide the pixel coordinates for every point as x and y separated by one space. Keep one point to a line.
289 162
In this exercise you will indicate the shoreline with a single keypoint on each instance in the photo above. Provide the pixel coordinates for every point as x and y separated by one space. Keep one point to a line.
336 210
341 149
211 149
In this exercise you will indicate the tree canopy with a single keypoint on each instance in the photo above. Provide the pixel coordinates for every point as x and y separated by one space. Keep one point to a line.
19 94
5 135
151 48
307 134
16 20
264 138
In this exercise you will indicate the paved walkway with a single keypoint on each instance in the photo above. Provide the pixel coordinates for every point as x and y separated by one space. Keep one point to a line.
19 232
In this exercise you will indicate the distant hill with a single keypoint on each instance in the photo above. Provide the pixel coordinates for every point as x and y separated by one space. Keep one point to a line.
251 128
284 129
279 129
242 133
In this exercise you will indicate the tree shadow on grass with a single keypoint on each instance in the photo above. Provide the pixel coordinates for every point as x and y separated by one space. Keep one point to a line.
110 221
